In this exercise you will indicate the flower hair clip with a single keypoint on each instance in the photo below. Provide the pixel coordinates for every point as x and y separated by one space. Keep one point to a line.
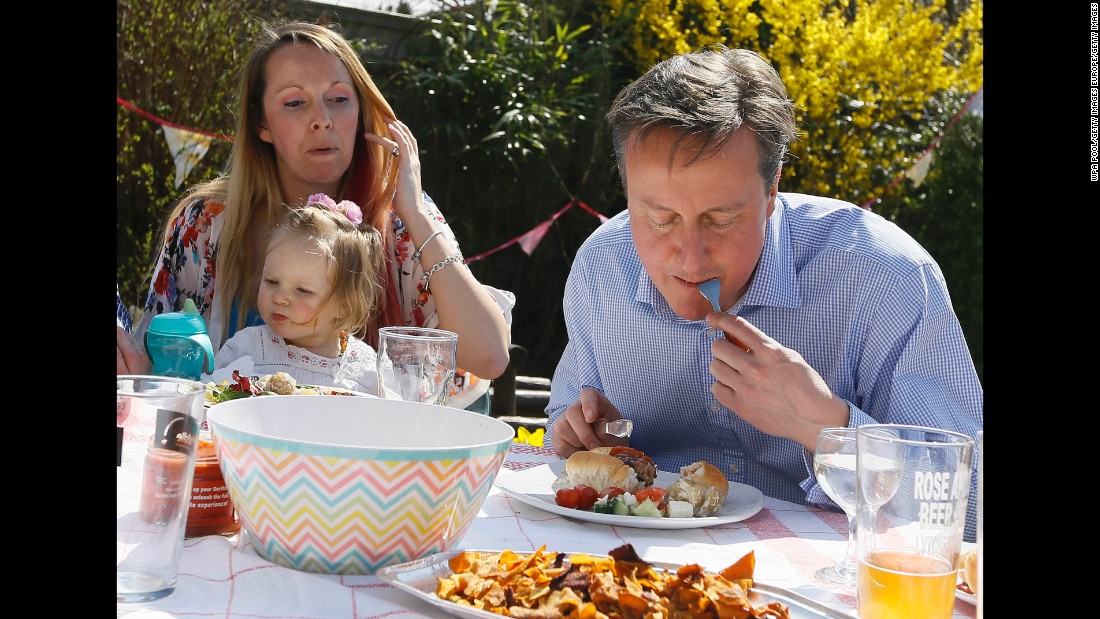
350 209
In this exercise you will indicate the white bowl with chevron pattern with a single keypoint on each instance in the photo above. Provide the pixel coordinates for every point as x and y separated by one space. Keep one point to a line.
340 485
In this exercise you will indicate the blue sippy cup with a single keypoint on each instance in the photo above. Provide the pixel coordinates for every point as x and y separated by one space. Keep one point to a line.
178 344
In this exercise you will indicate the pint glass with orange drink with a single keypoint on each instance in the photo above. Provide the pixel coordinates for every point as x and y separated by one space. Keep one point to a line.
896 584
910 519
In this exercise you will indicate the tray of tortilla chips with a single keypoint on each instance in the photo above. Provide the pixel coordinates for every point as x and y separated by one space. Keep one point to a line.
488 584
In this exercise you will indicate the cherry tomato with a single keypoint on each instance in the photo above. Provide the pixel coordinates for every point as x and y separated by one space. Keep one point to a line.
653 493
612 492
567 497
586 496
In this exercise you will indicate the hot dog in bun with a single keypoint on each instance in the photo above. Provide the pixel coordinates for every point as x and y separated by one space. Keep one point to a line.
702 485
608 467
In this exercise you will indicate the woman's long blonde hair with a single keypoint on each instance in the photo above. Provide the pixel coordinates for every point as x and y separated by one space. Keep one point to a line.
250 184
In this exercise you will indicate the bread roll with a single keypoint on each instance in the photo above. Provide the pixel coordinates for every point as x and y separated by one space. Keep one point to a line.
968 569
702 485
279 383
600 471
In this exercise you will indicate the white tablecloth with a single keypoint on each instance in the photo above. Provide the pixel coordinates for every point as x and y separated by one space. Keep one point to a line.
225 578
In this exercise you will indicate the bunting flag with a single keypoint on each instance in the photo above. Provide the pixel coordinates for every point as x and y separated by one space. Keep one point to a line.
920 169
530 239
187 148
528 242
593 212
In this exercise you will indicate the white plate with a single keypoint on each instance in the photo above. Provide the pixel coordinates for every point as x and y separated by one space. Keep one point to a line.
321 391
969 598
532 486
420 578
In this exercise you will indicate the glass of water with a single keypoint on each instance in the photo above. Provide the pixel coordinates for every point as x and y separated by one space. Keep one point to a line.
835 468
417 363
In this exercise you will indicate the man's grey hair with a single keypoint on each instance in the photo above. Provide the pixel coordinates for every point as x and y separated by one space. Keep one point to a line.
706 96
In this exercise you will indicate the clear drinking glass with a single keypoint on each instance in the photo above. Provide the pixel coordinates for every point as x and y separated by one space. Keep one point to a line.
417 363
160 418
913 484
835 468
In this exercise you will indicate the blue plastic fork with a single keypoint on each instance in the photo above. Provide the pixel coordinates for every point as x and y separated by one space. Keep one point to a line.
712 290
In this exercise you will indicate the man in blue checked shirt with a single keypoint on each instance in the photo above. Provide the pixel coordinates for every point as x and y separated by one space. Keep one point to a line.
831 315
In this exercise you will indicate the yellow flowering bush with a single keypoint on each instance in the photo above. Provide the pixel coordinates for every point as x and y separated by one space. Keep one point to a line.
874 81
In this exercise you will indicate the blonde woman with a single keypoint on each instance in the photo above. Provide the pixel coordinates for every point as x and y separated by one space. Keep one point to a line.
312 121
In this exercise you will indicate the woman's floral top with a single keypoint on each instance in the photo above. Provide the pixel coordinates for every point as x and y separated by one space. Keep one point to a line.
187 267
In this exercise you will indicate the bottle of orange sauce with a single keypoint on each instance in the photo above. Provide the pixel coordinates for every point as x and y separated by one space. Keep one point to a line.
211 511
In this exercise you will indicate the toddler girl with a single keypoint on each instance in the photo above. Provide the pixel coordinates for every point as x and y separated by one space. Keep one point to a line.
319 283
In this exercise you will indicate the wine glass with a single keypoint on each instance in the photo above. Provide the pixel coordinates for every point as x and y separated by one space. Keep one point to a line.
835 469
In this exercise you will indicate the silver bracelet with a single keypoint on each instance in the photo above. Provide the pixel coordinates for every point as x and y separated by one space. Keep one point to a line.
455 257
416 254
